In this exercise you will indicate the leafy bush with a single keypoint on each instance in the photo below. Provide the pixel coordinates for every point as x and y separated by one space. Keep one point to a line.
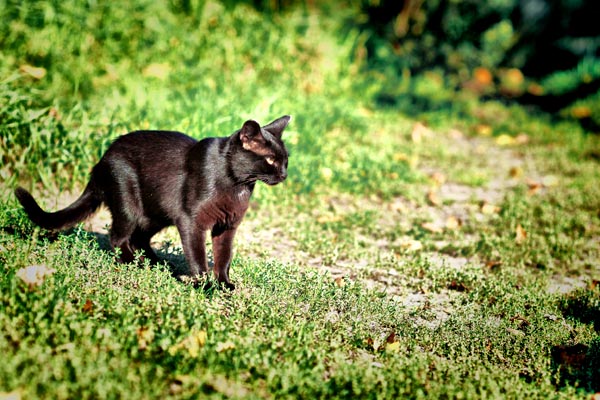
547 53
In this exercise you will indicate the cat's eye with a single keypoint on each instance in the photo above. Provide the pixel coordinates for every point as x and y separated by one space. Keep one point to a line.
270 160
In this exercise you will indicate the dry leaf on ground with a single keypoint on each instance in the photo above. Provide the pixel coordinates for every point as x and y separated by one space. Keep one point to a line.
520 234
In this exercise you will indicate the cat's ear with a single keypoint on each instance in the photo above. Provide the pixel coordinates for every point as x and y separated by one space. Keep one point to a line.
276 127
251 137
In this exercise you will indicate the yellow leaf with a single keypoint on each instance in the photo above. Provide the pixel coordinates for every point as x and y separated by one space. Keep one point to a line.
34 72
520 234
412 245
453 223
438 178
515 172
505 140
489 209
431 227
340 281
550 180
192 344
145 336
323 219
224 346
393 347
34 275
433 198
483 130
419 132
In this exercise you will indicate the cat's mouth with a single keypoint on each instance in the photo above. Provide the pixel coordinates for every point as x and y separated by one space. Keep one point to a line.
273 180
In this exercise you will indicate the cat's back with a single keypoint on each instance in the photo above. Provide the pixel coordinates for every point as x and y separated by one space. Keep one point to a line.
160 142
146 154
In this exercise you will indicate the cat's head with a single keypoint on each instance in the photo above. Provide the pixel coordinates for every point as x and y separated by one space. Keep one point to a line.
265 149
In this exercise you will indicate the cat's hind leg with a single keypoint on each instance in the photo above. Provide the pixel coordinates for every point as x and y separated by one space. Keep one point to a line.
120 235
140 240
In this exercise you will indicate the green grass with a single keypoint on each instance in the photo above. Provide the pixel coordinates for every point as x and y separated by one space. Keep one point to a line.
353 279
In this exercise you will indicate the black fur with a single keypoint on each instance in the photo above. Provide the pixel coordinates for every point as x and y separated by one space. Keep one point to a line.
153 179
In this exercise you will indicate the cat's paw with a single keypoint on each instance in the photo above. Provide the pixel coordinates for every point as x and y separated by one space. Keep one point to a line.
227 286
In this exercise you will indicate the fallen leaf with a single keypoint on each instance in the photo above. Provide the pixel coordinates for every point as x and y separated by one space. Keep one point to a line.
453 223
550 180
515 332
398 207
493 265
551 317
393 347
431 227
145 336
522 138
483 130
419 132
489 209
34 275
192 344
438 178
88 307
433 198
34 72
391 338
515 172
520 234
505 140
225 346
412 245
533 186
323 219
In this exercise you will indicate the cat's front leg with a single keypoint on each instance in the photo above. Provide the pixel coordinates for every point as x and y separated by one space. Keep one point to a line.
222 240
193 240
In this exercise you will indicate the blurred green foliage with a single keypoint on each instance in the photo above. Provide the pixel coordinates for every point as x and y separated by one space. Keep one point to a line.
541 52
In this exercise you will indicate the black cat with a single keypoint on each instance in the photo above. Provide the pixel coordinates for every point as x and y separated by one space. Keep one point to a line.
153 179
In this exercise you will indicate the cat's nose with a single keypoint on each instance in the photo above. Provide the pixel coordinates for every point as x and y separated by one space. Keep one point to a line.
283 173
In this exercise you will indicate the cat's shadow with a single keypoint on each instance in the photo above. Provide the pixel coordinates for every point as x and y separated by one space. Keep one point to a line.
167 253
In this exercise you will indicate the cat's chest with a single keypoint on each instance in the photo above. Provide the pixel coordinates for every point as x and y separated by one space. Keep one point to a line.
225 209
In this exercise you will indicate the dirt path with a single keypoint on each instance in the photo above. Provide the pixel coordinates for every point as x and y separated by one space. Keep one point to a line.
448 207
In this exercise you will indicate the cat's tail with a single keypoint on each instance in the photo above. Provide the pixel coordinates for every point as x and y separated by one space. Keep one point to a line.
84 206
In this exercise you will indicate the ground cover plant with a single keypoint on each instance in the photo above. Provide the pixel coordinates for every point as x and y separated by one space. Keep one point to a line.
445 254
